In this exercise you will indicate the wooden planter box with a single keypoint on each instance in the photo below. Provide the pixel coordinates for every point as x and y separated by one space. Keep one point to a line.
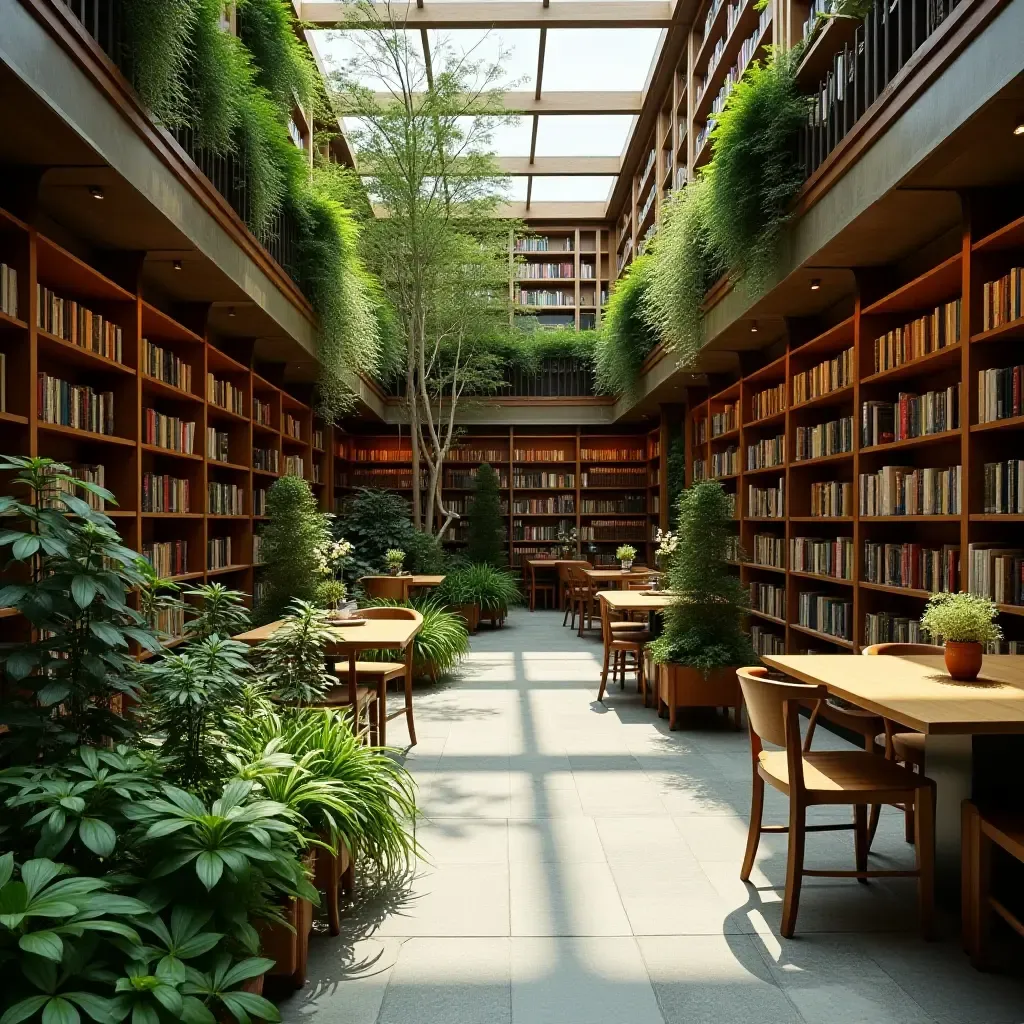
682 687
471 613
289 947
333 874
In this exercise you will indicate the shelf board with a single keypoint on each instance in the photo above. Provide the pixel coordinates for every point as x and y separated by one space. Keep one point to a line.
81 356
264 429
820 460
928 363
764 519
763 568
178 579
1011 609
161 387
157 325
295 442
11 322
275 475
765 469
836 397
227 568
157 450
821 519
234 466
71 278
911 519
821 577
84 435
771 420
885 588
729 435
171 515
936 286
923 441
1007 423
13 417
218 360
999 333
848 644
227 517
219 412
995 517
767 617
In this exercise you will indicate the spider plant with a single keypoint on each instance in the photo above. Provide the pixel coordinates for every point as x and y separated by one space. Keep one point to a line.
490 589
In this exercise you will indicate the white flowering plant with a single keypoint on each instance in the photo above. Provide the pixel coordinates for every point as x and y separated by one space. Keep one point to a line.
667 543
333 556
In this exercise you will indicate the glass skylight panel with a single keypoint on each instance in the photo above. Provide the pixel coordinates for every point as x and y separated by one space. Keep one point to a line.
583 134
514 49
599 58
572 189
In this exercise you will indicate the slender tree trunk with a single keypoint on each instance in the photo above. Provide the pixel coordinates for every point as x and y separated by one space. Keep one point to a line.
412 400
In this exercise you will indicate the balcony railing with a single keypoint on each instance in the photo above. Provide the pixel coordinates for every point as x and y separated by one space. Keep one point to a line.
102 19
563 377
883 43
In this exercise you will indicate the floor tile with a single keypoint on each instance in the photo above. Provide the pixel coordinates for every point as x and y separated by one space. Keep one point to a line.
565 898
559 839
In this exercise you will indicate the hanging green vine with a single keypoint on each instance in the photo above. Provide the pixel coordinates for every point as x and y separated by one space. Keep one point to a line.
156 54
627 335
756 170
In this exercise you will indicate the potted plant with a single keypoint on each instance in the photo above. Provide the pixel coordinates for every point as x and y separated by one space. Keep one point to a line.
330 595
568 542
394 559
625 553
486 536
667 544
481 591
703 642
965 622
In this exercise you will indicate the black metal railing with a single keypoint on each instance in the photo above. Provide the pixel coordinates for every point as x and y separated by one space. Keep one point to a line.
562 377
883 43
226 172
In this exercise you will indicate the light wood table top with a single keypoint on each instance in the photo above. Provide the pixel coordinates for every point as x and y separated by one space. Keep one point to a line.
421 580
617 575
635 600
389 634
548 563
916 691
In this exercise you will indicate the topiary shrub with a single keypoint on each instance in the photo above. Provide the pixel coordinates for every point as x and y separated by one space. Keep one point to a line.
295 533
704 624
627 334
756 170
486 542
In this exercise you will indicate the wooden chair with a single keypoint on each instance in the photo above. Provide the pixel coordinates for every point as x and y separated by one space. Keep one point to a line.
379 673
617 646
980 832
826 777
359 698
565 586
584 598
903 745
545 588
387 588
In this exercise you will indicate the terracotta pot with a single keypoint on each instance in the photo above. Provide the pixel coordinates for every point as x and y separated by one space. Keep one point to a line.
680 686
471 613
963 660
334 874
288 945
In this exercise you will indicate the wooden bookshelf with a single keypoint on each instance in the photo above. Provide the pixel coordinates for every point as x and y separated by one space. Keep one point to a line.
968 444
609 487
127 457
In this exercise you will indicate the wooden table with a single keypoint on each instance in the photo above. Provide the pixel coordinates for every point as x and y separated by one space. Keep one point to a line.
617 576
533 564
971 730
425 581
374 634
636 600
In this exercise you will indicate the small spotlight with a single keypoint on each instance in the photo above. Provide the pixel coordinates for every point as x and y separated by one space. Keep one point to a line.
753 327
177 265
1019 129
231 312
816 284
96 192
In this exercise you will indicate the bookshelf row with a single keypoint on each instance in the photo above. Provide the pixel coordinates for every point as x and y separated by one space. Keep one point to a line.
607 487
877 462
188 438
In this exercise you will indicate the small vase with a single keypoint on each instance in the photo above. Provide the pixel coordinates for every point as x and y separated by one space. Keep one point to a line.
627 564
396 570
963 660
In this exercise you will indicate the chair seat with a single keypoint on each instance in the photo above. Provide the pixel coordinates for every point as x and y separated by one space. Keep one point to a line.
909 746
630 641
627 627
837 776
337 696
389 669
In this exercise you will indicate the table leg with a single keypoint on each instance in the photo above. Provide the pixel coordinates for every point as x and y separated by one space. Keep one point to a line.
382 712
353 691
949 761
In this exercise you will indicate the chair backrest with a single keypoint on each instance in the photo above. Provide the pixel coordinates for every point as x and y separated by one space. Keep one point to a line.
388 613
565 568
387 588
902 649
641 584
772 707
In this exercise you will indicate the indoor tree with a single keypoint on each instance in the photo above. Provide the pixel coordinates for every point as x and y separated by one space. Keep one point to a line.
486 540
423 137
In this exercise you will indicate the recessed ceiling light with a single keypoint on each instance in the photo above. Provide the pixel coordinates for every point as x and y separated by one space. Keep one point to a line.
816 284
96 192
1018 129
753 327
231 311
177 265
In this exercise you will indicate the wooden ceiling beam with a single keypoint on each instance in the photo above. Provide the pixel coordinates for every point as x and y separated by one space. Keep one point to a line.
552 211
542 166
499 14
556 103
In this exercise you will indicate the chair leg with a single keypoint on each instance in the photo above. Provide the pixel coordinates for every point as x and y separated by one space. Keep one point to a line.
641 683
812 724
977 908
924 848
373 714
754 829
567 607
408 701
794 867
604 676
622 669
348 878
873 818
909 829
860 838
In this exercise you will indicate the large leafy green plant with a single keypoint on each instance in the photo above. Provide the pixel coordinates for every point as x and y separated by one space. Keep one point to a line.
72 577
490 589
311 761
295 534
218 612
292 659
627 335
373 521
704 623
486 537
756 170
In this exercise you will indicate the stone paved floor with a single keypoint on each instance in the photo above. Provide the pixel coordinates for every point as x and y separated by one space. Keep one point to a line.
582 868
